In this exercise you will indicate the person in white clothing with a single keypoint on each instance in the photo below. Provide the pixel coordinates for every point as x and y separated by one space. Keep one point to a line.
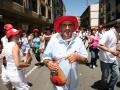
24 43
4 41
63 53
14 67
108 59
101 31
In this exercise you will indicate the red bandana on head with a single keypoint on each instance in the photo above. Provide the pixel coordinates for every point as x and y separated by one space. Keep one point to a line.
35 30
12 32
65 18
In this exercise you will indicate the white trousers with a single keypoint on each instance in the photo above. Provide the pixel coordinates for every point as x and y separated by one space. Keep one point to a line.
3 75
17 78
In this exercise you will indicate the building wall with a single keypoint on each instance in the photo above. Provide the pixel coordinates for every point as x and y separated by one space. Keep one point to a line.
112 9
94 15
90 17
85 18
58 8
78 18
109 12
27 14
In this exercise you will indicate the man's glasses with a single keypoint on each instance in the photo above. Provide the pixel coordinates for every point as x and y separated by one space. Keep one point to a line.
65 25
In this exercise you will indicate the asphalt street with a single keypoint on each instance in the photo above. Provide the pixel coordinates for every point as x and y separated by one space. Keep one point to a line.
89 79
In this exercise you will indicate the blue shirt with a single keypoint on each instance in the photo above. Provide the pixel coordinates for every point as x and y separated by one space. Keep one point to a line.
36 42
58 49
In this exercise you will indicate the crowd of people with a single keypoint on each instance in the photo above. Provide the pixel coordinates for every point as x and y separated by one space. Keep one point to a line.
61 52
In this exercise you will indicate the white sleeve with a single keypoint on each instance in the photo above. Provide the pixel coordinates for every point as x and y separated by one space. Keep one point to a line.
49 48
2 54
82 50
104 38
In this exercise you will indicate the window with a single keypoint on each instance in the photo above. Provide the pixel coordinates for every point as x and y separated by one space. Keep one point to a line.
49 15
33 5
117 2
19 1
49 2
43 10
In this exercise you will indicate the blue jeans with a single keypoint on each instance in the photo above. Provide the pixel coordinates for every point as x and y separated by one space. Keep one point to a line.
109 70
94 54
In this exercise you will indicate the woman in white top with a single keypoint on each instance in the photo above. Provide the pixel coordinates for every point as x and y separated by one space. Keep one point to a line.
4 41
14 68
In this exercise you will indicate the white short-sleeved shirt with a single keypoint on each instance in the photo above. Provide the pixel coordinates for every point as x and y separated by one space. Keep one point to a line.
99 35
109 40
58 49
4 41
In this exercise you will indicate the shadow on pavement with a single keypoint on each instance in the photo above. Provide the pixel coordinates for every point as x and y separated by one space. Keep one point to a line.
97 85
118 84
87 64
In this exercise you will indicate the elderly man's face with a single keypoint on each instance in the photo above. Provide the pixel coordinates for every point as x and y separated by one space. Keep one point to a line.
66 29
